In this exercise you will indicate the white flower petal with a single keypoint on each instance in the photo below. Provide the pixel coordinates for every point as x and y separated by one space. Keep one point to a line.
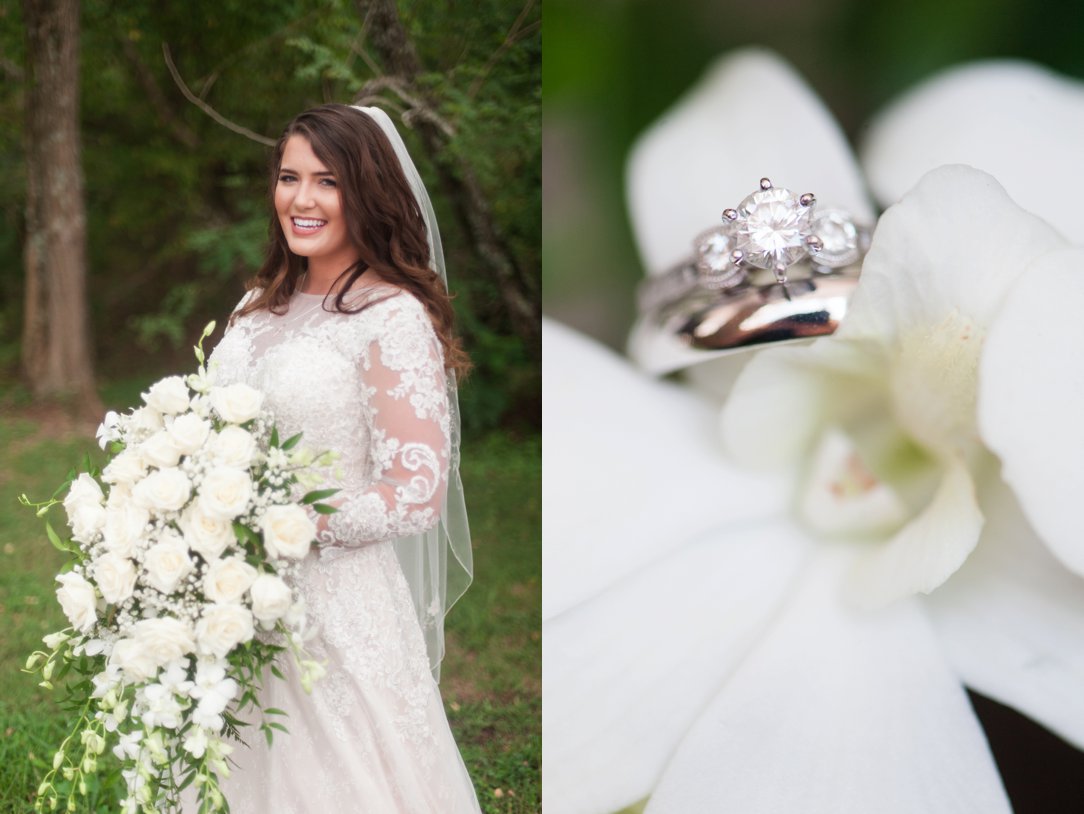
928 550
750 116
1011 622
629 671
632 468
954 244
785 395
1018 121
1031 387
836 712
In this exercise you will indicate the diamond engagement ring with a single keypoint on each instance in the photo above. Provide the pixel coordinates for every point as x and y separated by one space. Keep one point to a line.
777 267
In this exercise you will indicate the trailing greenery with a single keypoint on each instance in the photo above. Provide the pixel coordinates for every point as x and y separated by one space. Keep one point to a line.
491 679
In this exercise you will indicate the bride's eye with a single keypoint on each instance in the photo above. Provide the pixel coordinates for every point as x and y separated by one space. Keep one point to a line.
328 182
286 178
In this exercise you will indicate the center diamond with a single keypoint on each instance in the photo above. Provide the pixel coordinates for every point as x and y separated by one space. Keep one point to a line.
771 228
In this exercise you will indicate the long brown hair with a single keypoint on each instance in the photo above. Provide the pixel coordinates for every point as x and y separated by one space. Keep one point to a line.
381 216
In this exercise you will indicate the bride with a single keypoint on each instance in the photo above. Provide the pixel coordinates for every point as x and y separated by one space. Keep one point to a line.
348 330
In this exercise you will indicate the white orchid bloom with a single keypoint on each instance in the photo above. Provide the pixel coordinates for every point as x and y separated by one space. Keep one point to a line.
702 644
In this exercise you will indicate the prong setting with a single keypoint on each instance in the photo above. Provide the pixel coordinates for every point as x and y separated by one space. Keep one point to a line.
814 243
730 214
808 199
765 184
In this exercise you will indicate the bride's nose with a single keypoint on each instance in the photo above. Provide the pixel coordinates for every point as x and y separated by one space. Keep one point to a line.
306 198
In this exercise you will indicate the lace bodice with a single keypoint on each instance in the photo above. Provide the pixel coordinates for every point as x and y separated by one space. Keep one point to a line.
368 386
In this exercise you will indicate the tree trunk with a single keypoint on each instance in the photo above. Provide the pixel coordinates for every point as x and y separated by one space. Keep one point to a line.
520 293
56 350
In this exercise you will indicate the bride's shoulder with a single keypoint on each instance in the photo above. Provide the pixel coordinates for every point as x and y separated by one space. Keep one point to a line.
384 300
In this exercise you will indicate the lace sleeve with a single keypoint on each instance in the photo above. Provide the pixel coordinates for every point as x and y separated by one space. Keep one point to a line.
402 370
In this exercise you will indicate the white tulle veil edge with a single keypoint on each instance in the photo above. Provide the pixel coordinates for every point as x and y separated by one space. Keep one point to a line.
438 564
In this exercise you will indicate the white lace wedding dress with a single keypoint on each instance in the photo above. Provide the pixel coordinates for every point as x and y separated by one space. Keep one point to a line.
372 737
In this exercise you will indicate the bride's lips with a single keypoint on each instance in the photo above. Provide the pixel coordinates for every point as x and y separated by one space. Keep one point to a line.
307 226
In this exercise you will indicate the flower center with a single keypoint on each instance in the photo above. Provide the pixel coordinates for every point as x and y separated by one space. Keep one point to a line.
934 384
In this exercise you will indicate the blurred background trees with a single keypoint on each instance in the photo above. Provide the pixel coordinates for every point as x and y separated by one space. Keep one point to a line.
176 202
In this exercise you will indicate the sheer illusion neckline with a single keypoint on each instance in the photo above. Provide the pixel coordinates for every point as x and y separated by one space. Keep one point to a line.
354 292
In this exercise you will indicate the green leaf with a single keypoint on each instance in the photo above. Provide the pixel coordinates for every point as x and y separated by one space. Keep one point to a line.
274 436
277 672
318 494
274 711
291 442
54 538
321 508
244 534
64 486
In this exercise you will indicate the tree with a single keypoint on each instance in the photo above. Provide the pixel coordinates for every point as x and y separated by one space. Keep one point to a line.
56 350
392 43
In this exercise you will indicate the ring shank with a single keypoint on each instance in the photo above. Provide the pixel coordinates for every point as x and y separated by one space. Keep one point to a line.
679 331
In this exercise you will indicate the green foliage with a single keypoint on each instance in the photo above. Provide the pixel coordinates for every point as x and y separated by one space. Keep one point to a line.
502 372
176 203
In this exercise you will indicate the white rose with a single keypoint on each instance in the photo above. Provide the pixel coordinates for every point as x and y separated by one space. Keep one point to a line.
236 403
208 536
225 492
115 576
88 520
165 638
170 395
77 599
160 450
134 660
287 531
84 490
165 490
234 446
228 579
125 469
167 563
125 524
222 628
146 420
189 432
271 598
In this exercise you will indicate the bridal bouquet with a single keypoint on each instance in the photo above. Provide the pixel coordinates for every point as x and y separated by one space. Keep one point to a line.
179 551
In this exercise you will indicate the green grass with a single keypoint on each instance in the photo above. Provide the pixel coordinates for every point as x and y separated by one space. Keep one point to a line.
491 678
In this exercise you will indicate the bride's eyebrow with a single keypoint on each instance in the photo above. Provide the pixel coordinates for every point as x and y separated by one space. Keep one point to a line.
295 172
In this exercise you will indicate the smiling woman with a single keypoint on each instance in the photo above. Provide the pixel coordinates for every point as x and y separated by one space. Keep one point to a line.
336 164
309 207
347 329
